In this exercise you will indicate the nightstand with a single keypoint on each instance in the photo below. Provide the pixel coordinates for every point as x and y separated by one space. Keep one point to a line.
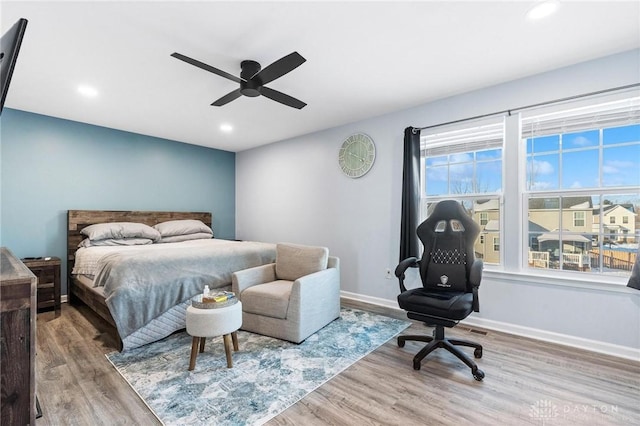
47 270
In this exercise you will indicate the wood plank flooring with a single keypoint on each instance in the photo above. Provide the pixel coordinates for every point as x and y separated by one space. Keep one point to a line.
527 382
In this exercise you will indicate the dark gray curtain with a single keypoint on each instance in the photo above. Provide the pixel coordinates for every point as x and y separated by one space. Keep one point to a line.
409 245
634 279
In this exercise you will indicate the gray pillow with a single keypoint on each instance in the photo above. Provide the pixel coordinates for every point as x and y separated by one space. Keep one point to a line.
120 230
187 237
115 242
182 227
294 261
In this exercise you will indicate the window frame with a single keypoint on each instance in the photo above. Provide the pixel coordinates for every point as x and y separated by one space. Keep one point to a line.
466 198
616 279
576 219
484 218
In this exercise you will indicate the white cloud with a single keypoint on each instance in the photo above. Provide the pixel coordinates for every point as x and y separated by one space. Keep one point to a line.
576 184
617 166
582 141
540 167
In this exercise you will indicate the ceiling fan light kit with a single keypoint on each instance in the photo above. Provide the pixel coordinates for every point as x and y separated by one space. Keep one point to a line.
253 78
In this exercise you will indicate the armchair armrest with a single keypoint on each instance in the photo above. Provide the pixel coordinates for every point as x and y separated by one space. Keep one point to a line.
401 269
241 280
314 293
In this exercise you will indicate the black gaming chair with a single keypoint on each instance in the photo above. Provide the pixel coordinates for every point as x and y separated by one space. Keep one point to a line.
450 276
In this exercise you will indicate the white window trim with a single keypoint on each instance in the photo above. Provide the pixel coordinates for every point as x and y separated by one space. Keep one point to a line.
590 280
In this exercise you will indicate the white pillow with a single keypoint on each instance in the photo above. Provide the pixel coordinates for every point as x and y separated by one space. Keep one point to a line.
182 227
120 230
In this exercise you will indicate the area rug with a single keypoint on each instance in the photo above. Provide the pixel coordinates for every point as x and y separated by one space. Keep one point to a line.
268 375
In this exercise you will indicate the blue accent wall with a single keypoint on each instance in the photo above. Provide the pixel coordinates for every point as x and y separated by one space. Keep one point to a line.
49 165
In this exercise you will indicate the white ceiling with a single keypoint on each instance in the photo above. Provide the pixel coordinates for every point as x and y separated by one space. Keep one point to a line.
364 59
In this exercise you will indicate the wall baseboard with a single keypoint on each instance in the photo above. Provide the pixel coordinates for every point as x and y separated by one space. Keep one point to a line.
518 330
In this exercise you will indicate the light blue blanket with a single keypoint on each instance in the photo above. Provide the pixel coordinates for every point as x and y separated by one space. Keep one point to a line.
140 286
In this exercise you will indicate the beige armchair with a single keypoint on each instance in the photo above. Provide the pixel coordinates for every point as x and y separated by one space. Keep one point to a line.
293 297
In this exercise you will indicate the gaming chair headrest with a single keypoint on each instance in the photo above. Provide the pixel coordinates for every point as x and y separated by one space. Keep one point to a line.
446 218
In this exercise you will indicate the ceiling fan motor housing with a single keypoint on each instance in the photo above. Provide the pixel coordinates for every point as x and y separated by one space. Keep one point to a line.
249 87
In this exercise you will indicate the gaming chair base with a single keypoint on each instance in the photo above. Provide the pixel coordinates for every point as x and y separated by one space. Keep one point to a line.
439 341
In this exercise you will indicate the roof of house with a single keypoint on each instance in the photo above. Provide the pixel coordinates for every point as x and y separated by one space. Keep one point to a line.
583 202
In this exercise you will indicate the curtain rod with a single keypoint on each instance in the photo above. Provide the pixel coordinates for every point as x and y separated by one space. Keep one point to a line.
509 111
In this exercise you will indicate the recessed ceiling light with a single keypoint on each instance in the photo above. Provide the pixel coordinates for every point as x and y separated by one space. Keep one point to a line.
226 128
543 9
87 91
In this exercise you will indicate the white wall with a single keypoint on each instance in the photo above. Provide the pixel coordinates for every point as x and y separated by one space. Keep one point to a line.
294 191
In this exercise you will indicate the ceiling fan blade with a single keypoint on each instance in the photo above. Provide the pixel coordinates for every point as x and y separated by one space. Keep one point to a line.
206 67
227 98
280 68
282 98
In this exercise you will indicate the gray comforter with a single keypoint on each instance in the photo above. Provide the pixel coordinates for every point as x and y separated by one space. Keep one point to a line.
140 286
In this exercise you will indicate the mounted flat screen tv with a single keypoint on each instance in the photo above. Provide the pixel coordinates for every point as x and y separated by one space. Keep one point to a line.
9 48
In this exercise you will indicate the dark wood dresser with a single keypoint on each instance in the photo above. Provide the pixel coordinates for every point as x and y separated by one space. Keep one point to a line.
47 270
18 341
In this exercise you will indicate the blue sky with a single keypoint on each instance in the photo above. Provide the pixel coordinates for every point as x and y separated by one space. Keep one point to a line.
572 160
568 161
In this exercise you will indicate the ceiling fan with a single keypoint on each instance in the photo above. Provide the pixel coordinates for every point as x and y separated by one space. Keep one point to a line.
252 78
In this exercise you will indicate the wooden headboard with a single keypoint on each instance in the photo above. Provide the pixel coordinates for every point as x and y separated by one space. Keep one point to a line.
79 219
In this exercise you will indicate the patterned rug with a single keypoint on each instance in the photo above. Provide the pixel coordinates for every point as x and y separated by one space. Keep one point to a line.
268 375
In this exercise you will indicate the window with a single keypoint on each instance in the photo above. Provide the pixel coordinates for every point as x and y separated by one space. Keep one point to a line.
484 218
582 167
465 164
571 167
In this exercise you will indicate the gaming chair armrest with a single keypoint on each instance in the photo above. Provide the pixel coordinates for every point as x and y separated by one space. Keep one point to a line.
475 273
402 267
475 276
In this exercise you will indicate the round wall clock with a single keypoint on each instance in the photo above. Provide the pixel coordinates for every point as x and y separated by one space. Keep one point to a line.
356 155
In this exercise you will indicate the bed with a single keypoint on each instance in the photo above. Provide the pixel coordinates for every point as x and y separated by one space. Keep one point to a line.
143 291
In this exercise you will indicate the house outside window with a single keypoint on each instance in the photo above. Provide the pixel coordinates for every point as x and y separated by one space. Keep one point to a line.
465 163
582 181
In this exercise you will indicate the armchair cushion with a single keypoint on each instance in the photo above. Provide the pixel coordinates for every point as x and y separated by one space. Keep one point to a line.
294 261
269 299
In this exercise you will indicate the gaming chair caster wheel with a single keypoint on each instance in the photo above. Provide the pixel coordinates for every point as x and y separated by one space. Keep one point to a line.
400 343
478 374
477 353
416 365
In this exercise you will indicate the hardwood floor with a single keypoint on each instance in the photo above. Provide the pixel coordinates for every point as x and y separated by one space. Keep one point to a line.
527 382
